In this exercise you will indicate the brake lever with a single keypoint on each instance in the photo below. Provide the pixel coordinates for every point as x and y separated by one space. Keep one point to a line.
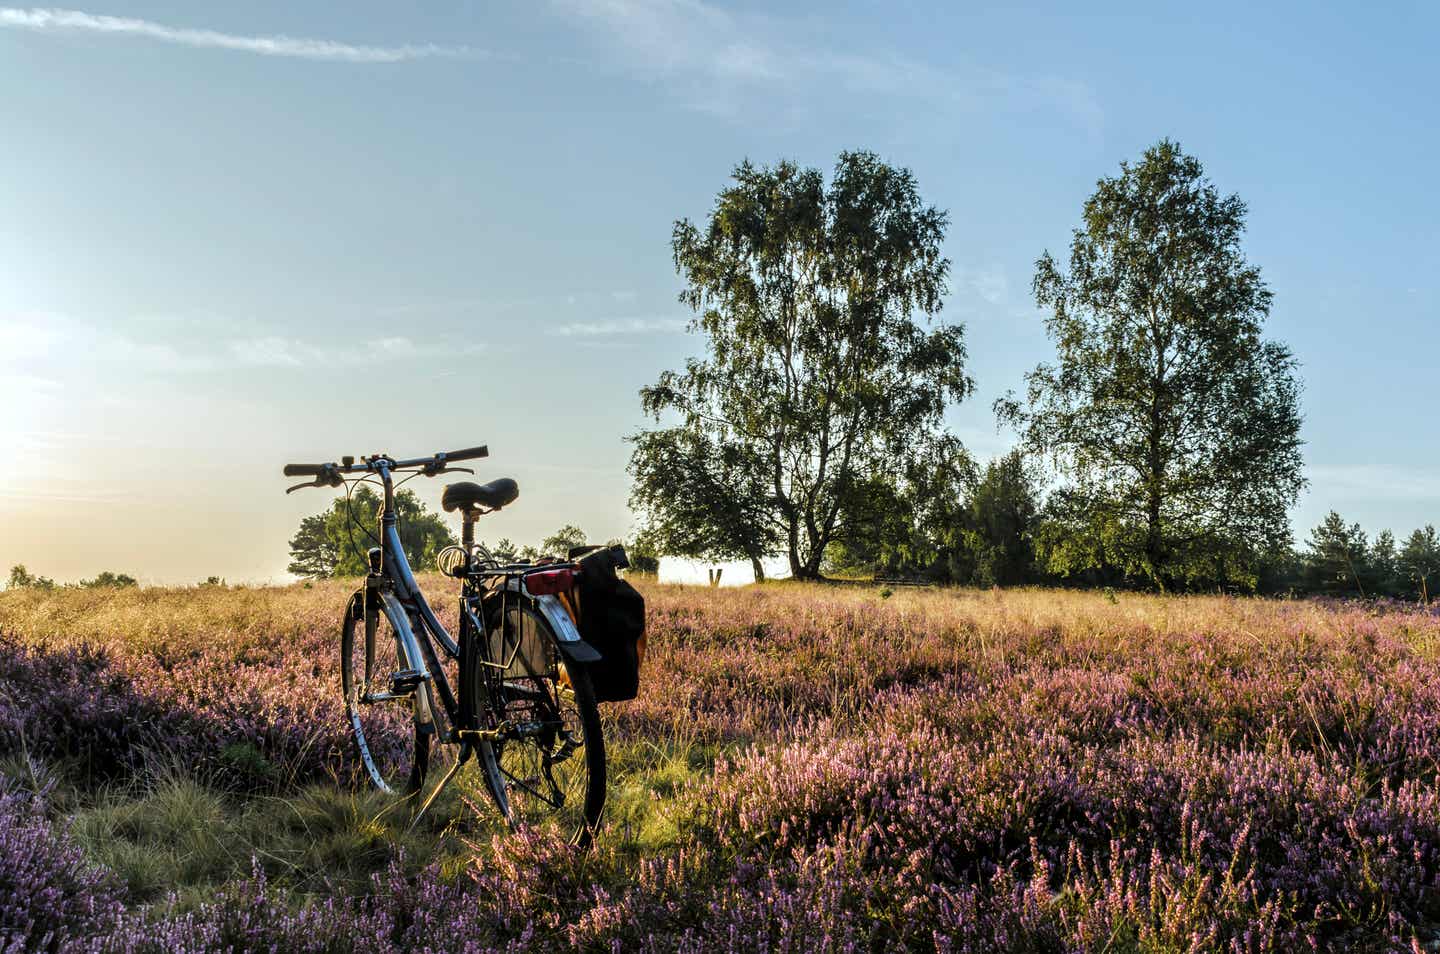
446 470
321 480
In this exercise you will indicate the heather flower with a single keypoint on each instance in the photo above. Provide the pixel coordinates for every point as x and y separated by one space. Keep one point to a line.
51 896
950 771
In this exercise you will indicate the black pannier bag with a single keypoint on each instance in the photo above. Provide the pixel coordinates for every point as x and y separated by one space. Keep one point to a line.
612 619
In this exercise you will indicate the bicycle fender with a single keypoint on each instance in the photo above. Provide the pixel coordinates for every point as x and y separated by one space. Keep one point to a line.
580 652
574 648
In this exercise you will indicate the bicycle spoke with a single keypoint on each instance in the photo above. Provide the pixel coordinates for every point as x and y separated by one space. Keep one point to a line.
392 752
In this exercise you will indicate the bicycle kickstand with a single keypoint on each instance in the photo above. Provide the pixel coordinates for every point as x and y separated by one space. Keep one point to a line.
464 754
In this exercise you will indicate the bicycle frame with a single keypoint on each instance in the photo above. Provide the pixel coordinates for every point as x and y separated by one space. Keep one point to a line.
392 583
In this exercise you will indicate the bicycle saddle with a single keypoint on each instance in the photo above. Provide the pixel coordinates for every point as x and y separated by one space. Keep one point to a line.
468 496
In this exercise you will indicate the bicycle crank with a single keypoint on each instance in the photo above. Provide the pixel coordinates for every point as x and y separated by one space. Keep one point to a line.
405 681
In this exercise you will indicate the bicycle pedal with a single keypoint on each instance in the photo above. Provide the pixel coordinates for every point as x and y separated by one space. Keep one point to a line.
405 681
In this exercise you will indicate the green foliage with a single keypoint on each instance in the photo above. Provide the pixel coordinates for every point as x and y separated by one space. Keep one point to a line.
1336 558
949 522
504 549
644 557
332 543
509 551
1419 561
817 379
702 498
1076 541
320 544
912 524
884 536
21 577
1340 561
244 761
1382 567
1002 512
1175 423
562 541
110 579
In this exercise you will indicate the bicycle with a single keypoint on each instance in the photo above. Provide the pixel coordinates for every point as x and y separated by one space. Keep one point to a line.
523 704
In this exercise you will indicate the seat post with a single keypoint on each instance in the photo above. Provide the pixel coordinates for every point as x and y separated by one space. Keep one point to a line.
467 528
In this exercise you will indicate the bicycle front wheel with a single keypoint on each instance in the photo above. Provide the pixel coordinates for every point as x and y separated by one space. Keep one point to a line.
552 756
392 733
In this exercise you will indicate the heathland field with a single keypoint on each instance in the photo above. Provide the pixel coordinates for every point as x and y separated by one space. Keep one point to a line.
808 768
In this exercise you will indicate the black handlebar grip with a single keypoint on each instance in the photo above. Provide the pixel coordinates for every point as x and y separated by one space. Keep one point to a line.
304 470
468 453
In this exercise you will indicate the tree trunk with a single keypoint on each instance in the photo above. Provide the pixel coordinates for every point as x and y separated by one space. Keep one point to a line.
1153 543
1155 458
759 569
797 570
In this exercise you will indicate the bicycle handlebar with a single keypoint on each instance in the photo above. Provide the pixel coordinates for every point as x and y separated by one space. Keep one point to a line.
466 454
435 463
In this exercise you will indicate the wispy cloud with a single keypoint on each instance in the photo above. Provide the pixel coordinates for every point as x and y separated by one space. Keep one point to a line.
55 341
71 21
987 282
620 326
678 36
280 352
719 59
24 495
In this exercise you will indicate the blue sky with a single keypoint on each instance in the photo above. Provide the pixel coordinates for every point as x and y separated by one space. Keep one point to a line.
232 236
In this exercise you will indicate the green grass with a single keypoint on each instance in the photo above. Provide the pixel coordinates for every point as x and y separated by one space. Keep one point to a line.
172 833
176 834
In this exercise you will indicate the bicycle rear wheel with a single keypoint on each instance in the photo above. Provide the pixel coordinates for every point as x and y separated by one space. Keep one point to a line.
392 735
552 763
